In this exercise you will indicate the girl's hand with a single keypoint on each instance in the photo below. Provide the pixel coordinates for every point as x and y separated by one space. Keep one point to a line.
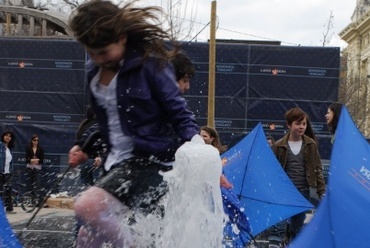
76 156
34 161
225 183
97 162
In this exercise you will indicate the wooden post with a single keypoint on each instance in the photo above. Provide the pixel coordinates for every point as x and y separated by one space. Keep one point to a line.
8 22
212 68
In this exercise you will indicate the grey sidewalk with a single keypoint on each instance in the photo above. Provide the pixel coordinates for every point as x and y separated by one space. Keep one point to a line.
52 227
21 216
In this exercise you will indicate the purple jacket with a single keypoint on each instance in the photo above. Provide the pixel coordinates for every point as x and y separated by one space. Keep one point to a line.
150 106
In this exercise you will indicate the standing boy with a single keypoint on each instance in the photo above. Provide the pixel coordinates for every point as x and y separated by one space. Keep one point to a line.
299 156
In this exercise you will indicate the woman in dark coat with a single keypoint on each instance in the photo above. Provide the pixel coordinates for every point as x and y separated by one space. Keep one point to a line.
34 159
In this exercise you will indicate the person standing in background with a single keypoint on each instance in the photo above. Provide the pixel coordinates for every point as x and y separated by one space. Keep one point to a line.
270 140
298 154
34 160
210 137
332 118
184 70
90 170
6 169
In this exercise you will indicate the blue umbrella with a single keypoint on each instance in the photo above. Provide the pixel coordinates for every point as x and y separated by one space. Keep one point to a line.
342 219
7 236
266 195
237 221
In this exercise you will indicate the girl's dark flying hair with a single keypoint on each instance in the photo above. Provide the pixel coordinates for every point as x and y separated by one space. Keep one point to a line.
98 23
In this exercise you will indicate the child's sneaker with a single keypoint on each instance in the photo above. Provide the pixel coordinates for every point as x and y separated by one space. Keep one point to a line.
274 244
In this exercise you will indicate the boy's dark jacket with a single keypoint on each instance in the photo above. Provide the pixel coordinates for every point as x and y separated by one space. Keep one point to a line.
311 158
150 107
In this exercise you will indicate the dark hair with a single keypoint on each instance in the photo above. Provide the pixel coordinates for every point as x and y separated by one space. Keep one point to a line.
11 143
90 113
336 107
297 114
269 137
99 23
35 136
216 138
183 66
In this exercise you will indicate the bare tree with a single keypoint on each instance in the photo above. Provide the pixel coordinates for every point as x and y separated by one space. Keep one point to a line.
328 26
72 3
353 93
180 15
61 6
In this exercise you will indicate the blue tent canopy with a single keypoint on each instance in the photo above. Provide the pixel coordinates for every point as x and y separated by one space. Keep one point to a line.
342 219
265 192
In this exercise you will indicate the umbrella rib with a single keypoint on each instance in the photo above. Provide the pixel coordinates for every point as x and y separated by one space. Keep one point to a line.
254 199
248 158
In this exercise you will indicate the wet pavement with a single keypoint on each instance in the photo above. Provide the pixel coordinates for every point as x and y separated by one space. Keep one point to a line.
52 227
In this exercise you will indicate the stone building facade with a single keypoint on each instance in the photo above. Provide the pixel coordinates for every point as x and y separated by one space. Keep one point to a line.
355 73
23 21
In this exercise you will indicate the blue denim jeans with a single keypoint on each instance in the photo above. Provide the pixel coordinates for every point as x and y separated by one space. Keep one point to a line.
286 230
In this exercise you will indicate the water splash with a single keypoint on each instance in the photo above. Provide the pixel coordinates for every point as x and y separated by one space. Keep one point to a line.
193 207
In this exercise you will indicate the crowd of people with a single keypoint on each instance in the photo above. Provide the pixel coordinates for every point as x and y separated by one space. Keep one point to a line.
137 105
34 155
